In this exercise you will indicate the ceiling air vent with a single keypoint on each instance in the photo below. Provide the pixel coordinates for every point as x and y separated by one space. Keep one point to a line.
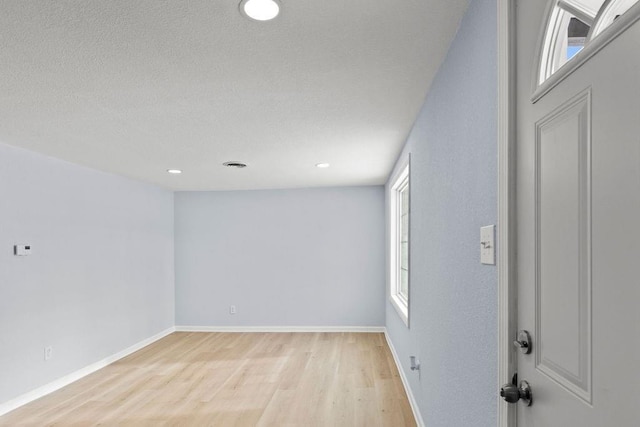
238 165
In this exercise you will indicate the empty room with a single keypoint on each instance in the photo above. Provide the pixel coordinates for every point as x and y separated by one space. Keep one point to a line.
304 213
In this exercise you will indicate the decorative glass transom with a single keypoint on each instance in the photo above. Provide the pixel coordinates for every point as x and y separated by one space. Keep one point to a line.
572 25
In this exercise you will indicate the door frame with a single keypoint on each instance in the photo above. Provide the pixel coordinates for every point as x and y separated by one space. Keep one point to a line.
507 301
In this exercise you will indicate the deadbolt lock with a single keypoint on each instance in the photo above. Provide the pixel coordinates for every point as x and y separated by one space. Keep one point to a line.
523 342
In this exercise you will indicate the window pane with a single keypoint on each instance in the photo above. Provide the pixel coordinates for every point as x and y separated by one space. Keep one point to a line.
403 288
404 206
577 36
404 255
405 200
404 283
404 228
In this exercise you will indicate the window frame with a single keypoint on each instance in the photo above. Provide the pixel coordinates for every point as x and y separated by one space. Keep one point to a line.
607 15
400 182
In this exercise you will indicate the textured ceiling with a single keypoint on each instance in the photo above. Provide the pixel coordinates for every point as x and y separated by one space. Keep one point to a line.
138 87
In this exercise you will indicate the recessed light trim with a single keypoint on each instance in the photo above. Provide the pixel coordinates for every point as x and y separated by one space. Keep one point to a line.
174 171
234 164
260 10
323 165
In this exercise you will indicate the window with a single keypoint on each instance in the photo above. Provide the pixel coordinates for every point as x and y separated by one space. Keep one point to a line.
572 26
567 32
399 235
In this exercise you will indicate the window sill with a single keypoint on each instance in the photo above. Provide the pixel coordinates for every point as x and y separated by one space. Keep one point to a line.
401 308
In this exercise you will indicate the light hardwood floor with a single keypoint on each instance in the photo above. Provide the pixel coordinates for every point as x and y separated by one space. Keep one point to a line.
236 379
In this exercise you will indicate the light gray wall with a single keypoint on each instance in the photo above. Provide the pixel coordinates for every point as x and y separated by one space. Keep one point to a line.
309 257
453 320
100 278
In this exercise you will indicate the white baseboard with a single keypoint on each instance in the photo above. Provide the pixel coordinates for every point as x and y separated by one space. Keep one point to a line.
378 329
405 382
75 376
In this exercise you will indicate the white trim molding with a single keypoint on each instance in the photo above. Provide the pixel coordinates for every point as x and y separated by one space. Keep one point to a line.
506 206
274 329
405 382
81 373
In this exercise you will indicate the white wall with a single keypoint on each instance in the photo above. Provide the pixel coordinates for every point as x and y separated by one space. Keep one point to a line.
101 274
309 257
453 320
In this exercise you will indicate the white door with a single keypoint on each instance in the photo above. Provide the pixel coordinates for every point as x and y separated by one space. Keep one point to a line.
578 230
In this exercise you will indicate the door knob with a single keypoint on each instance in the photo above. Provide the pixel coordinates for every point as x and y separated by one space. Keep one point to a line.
512 393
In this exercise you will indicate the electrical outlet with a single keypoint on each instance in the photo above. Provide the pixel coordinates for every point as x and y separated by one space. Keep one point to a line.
415 363
232 309
48 353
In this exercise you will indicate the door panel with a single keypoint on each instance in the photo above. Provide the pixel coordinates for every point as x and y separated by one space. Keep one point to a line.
578 234
563 235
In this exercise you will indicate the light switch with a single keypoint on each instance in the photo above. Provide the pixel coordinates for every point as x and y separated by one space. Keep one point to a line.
487 245
22 250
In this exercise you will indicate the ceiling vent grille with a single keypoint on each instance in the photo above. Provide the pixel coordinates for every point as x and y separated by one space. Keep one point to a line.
237 165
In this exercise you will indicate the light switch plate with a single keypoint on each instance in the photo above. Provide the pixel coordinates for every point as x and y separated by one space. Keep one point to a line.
488 245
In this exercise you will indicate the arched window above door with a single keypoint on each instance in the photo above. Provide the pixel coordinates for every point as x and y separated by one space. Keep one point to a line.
575 30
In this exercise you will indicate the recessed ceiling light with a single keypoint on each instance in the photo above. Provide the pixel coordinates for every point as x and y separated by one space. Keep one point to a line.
323 165
260 10
238 165
174 171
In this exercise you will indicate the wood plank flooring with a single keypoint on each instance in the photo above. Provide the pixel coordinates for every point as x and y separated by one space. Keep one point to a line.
236 379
